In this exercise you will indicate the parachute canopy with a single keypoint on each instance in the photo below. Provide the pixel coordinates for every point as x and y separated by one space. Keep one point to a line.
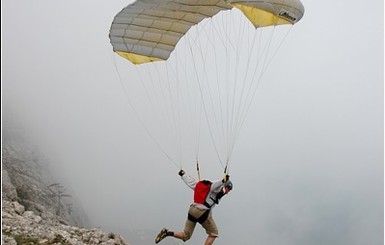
215 51
148 30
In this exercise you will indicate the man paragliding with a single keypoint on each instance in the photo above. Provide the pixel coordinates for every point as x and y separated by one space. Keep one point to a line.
206 195
199 64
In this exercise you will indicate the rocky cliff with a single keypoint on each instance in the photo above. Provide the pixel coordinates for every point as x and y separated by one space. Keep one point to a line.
36 209
25 227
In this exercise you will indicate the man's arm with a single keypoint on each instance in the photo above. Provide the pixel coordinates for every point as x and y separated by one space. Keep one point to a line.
189 181
216 184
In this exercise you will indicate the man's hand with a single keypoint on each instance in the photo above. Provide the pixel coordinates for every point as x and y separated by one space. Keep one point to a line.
226 178
181 172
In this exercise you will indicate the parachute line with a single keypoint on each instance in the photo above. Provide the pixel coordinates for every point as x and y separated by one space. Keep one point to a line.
139 118
214 57
204 104
254 90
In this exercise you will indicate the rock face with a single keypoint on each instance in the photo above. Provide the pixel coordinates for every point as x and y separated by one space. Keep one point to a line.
35 208
25 227
27 180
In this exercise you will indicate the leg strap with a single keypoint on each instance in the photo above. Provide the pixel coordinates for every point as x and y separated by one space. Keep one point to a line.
201 219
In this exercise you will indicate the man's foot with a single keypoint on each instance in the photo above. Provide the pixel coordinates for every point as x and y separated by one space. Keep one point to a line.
162 234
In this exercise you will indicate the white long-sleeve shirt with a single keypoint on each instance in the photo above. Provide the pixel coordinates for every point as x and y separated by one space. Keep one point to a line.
216 187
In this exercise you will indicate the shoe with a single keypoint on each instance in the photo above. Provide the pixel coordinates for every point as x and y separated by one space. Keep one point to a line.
162 234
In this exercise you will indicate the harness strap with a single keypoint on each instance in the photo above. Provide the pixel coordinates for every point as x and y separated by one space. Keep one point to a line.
201 219
215 201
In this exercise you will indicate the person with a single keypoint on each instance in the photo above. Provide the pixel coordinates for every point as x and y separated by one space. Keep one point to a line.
200 213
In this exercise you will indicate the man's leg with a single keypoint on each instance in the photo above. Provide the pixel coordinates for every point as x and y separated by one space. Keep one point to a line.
210 240
211 229
179 234
182 235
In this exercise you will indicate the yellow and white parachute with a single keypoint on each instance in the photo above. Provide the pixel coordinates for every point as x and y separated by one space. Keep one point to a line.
148 30
199 63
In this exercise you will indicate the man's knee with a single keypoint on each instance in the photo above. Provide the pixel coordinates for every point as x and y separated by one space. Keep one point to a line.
186 235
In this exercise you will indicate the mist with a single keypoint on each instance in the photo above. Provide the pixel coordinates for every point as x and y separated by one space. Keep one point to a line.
307 167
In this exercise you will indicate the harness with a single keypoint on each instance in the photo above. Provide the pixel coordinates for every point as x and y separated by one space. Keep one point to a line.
205 215
201 219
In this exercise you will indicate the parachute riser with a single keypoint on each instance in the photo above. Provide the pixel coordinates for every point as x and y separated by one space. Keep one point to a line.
198 172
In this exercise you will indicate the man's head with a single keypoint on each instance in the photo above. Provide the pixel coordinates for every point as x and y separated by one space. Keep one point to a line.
228 186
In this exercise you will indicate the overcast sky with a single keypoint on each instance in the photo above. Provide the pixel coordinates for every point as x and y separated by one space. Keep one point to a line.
307 168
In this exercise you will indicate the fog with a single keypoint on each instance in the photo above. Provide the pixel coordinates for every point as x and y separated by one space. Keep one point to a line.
308 164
